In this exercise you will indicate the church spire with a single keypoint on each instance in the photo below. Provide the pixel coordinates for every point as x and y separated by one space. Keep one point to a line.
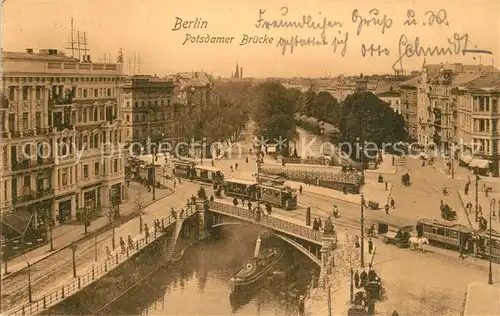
237 71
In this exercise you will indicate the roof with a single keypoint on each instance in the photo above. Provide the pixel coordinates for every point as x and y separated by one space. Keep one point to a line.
389 94
412 83
488 82
208 168
241 181
461 79
37 56
445 224
434 69
397 222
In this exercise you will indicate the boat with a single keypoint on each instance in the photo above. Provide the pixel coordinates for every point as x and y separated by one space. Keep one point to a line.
256 268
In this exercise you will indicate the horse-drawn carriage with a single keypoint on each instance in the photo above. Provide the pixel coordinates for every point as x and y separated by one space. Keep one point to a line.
447 213
396 232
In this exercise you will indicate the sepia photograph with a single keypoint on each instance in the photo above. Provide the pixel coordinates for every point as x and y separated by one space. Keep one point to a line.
233 157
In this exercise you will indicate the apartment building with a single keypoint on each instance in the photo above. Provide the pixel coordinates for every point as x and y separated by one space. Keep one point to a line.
60 139
392 98
148 109
409 98
478 122
437 110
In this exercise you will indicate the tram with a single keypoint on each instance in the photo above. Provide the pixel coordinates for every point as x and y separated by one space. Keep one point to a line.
183 168
446 234
280 196
483 243
209 174
241 188
271 179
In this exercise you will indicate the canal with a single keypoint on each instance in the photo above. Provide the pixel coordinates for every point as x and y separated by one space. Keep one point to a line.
198 284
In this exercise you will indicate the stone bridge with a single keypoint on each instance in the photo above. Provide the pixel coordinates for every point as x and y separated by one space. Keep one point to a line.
316 245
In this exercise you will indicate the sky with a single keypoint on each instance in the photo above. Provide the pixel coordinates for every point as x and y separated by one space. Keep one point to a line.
145 27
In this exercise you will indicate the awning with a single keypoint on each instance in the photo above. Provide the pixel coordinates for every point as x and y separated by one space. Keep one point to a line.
466 159
480 163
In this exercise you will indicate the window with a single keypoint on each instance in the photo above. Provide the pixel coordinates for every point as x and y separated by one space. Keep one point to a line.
96 168
162 103
38 92
85 171
38 119
136 104
27 181
96 93
96 115
12 93
25 93
115 165
494 105
64 177
109 92
85 93
128 118
96 141
25 120
85 115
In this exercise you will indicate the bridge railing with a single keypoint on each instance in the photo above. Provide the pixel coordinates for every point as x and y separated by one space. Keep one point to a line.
269 221
50 299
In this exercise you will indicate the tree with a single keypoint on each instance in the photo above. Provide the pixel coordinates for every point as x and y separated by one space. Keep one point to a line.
307 102
365 117
274 113
326 105
140 207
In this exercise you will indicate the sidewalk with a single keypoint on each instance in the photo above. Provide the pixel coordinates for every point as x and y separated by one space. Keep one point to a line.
48 275
65 234
484 202
385 167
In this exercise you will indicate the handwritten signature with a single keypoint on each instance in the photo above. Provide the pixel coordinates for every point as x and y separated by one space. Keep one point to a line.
407 49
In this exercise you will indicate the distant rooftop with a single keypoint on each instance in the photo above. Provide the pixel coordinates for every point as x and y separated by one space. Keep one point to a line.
412 83
42 54
434 69
488 82
388 94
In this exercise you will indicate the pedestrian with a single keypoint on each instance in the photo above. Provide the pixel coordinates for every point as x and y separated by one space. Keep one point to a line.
246 159
356 238
387 209
320 224
249 205
393 160
130 242
356 279
300 189
236 166
175 183
466 191
393 203
146 231
395 313
461 255
108 252
386 186
346 235
335 211
362 278
315 224
370 246
213 163
122 244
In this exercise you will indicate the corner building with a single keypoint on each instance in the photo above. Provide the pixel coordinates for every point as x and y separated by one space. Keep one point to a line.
60 140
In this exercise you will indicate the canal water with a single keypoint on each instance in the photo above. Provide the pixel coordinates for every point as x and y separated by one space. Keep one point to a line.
198 284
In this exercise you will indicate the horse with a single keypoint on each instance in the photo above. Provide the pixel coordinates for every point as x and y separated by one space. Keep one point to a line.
418 243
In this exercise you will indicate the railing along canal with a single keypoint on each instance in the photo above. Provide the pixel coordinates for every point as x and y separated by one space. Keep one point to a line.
98 271
269 221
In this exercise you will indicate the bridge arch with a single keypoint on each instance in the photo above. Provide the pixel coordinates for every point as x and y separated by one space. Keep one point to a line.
286 239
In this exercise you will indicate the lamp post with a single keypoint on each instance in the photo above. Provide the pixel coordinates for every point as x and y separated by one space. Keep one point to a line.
476 174
30 298
490 272
73 249
362 220
50 226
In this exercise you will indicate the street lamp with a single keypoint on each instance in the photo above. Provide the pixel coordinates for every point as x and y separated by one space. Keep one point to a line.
30 298
476 173
490 273
73 249
50 226
362 220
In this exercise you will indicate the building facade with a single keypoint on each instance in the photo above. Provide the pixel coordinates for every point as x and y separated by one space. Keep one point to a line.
409 99
393 99
148 109
60 139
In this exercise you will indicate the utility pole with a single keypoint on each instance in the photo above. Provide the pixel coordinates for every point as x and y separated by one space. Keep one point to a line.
362 220
476 173
490 272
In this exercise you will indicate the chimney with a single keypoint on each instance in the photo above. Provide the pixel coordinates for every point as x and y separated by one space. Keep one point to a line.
29 50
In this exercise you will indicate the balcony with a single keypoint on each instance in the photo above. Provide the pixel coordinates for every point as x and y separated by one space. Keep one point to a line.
63 126
31 164
32 197
61 101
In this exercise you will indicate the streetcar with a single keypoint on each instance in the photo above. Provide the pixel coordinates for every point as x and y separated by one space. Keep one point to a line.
241 188
270 179
183 169
483 243
446 234
280 196
209 174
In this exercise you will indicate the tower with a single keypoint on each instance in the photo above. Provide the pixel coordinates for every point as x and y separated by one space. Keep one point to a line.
237 72
241 72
